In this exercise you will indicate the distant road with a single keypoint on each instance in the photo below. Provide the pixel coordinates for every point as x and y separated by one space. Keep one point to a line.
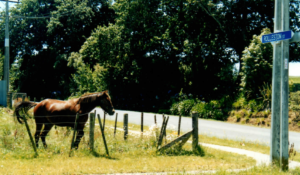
207 127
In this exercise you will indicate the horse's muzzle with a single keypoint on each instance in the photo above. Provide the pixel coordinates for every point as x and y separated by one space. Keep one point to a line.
112 112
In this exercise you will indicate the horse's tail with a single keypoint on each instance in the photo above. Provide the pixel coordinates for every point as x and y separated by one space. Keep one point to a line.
24 106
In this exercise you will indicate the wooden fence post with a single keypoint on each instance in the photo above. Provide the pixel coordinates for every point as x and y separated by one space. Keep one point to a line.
179 124
125 126
103 136
104 116
9 100
156 129
73 137
195 131
92 128
181 140
34 99
30 136
116 120
142 124
163 131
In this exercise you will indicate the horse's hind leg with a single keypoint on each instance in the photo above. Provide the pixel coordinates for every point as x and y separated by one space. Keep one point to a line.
37 133
44 133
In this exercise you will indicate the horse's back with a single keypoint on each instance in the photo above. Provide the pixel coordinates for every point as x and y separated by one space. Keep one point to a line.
53 106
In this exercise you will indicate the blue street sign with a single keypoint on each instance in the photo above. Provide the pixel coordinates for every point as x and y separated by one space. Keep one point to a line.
277 36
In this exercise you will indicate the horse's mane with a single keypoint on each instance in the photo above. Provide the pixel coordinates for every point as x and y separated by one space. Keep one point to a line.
89 97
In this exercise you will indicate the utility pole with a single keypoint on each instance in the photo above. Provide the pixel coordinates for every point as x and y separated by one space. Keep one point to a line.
6 44
276 97
280 88
4 85
284 118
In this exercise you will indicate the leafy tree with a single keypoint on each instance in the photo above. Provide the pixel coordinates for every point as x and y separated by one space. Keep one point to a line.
257 66
86 80
40 46
154 50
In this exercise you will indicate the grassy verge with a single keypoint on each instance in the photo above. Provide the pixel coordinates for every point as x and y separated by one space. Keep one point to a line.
133 155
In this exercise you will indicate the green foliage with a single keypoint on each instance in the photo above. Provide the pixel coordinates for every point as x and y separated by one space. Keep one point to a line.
150 50
86 80
164 111
251 105
40 48
295 101
183 107
1 66
266 95
257 66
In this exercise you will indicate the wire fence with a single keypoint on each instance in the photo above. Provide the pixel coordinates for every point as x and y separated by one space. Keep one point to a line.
85 126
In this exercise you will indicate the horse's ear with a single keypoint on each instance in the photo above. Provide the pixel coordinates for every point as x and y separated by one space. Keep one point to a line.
106 91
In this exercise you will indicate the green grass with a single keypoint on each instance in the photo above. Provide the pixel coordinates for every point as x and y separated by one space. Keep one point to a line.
295 79
133 155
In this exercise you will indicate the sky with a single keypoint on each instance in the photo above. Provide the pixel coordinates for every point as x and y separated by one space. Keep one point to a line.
294 68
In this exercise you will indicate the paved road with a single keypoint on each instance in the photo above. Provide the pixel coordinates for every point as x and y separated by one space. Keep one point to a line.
208 127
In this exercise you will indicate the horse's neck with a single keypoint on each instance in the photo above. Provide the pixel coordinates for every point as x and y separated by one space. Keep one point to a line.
87 107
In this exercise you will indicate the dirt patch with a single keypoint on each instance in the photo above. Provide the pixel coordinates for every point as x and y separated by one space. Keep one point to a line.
262 119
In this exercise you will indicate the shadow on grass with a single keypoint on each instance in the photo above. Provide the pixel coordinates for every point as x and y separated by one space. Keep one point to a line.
96 154
176 151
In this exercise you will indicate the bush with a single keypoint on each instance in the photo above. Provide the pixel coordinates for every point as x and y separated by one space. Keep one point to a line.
212 110
201 109
183 107
295 101
256 66
164 111
240 102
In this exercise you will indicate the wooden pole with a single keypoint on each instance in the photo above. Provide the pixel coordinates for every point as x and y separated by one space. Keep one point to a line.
116 120
30 136
160 138
104 117
179 124
156 129
276 97
142 124
165 130
182 139
125 126
74 133
195 131
162 132
92 128
103 136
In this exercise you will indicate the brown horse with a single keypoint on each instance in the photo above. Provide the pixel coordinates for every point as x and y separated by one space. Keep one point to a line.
52 112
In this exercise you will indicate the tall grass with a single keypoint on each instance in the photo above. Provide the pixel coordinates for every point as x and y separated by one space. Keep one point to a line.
133 155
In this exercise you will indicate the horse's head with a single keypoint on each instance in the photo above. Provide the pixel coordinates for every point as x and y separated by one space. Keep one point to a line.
105 103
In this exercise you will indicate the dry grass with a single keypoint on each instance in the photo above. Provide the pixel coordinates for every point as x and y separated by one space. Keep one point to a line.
133 155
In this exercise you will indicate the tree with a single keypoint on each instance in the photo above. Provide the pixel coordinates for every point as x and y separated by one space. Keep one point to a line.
155 49
40 46
257 66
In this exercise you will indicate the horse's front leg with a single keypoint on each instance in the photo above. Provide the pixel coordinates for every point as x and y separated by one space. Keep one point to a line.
80 134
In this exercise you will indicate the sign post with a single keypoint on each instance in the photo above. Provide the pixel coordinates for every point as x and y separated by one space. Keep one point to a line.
280 88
